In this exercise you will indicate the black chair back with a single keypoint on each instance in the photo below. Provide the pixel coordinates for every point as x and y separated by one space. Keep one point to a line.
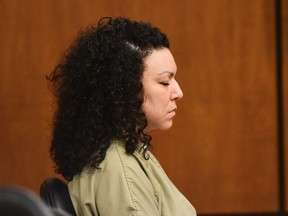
55 194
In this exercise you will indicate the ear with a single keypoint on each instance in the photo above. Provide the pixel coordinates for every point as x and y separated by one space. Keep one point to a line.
144 98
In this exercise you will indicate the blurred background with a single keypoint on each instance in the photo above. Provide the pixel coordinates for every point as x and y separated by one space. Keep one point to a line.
228 149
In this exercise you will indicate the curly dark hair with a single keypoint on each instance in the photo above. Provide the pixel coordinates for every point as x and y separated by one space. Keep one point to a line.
99 93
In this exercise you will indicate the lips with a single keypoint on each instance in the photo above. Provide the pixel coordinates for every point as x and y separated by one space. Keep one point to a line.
173 110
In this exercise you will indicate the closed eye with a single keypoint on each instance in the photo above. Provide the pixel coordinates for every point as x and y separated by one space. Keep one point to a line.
164 83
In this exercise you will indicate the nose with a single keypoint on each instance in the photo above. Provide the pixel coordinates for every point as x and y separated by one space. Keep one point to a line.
176 92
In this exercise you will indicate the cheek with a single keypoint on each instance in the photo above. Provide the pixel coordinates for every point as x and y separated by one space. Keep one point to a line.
150 103
147 107
156 101
155 106
158 97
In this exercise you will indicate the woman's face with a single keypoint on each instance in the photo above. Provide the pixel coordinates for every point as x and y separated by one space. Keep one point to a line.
161 90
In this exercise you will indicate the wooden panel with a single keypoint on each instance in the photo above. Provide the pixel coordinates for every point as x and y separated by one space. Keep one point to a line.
285 90
26 57
222 151
23 107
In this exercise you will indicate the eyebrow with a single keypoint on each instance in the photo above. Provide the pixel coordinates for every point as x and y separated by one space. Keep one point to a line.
171 74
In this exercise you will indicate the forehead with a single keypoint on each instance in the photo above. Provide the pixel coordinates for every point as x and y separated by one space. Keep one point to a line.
160 61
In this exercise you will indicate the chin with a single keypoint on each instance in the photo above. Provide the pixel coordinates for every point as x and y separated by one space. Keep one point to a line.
166 127
162 127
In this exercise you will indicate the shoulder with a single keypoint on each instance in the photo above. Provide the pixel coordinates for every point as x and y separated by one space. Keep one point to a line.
118 164
117 158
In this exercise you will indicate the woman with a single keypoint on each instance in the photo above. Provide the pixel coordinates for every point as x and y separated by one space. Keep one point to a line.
115 85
